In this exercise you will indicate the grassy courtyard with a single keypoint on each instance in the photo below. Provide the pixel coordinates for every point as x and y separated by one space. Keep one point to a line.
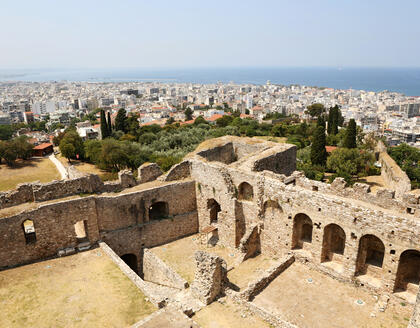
83 290
35 169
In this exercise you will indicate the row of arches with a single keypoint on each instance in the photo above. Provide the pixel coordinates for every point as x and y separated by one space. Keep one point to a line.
370 256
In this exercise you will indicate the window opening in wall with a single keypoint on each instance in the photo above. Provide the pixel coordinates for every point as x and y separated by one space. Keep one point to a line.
158 211
245 192
80 229
29 231
214 208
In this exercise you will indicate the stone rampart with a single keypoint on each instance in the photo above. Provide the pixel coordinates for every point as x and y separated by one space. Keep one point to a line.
121 220
415 319
157 271
395 178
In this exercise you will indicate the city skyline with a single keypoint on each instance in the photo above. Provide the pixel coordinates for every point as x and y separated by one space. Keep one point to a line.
218 34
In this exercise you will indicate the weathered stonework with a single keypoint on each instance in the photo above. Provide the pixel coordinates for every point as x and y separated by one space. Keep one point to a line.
247 191
210 277
415 319
149 172
155 270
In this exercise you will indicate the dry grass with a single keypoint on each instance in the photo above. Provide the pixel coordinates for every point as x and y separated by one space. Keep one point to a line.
249 270
326 302
273 139
35 169
84 167
83 290
217 315
179 255
374 181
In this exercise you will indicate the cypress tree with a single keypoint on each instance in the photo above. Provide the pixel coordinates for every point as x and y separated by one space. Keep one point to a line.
318 151
350 139
109 124
321 121
121 120
333 120
104 125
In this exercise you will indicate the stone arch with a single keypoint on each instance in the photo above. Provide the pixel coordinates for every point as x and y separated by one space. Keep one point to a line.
302 231
158 211
370 256
131 260
272 209
333 243
29 231
214 208
408 273
245 191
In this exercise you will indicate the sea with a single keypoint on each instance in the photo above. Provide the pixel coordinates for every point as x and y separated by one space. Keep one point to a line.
402 80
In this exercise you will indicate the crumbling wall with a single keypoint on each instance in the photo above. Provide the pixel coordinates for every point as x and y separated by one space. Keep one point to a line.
415 319
178 172
148 172
395 178
222 153
120 220
210 277
155 270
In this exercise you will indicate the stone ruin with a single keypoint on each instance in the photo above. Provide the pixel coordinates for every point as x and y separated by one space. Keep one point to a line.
210 277
249 191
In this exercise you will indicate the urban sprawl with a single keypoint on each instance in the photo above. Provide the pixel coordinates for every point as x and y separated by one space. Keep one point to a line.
386 113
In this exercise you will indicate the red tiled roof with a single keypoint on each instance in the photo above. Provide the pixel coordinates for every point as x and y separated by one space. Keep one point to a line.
214 117
43 146
330 149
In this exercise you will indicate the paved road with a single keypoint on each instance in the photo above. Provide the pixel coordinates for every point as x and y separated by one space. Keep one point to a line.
60 166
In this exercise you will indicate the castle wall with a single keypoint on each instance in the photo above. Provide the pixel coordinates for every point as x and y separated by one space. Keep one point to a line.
120 220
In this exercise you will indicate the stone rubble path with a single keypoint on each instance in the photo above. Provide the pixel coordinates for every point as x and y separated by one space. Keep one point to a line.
60 167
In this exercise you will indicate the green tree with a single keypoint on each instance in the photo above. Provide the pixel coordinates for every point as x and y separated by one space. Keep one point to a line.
67 150
315 110
109 123
6 132
318 151
188 114
22 147
408 158
170 121
278 130
121 120
200 120
351 133
104 125
333 120
76 150
93 150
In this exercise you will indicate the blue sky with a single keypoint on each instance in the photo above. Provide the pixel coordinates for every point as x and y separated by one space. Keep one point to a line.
197 33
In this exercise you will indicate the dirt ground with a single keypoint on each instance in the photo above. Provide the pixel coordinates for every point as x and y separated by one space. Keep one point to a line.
227 315
82 290
35 169
88 168
179 255
323 302
273 139
374 181
249 270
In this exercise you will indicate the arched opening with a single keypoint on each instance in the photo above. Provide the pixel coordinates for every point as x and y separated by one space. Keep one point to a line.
158 211
214 209
80 229
245 191
333 243
131 261
302 231
408 273
29 231
370 256
272 209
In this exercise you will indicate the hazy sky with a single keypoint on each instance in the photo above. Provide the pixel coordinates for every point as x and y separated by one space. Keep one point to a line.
212 33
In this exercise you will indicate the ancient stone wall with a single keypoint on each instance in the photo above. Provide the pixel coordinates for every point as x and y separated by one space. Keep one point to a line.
415 319
210 277
395 178
155 270
121 220
296 215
